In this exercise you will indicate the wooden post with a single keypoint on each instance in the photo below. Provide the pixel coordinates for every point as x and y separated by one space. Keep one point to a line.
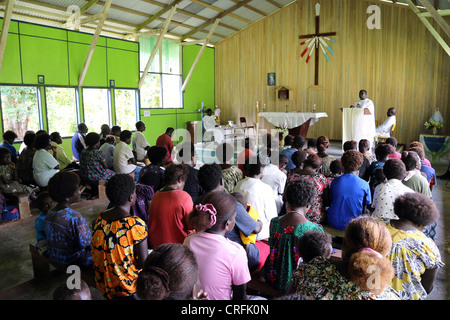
5 28
211 31
157 45
94 42
430 28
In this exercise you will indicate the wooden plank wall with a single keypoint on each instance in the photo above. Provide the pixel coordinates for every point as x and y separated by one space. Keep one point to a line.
400 65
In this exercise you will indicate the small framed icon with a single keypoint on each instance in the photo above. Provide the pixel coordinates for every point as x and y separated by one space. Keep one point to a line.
41 79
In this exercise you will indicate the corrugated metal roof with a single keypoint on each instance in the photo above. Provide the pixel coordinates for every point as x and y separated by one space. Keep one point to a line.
192 20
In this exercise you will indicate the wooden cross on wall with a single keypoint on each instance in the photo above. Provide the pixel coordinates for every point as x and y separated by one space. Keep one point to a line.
315 41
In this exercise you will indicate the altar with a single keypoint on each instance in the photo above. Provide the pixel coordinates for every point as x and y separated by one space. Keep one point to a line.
297 123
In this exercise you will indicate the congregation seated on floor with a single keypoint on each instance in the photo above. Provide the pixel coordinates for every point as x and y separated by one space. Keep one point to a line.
241 236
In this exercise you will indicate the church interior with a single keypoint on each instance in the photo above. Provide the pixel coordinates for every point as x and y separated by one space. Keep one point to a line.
255 63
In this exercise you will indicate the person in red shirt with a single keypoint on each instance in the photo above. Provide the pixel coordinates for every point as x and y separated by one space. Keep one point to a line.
169 208
165 140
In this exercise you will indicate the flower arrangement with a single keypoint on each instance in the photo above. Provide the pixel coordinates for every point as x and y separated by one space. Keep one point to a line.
433 124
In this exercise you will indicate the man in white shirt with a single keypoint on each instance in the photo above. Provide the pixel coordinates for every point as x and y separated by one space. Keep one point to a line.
386 193
385 128
209 121
275 177
123 157
258 194
139 142
366 125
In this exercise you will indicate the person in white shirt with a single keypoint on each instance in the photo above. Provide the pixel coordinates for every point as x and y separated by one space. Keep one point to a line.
108 149
139 142
123 157
45 165
386 193
385 128
258 194
365 129
275 177
209 121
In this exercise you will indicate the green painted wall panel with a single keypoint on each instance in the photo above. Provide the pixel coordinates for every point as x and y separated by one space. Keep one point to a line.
201 85
96 75
43 31
121 44
85 38
41 56
157 125
13 26
123 67
11 71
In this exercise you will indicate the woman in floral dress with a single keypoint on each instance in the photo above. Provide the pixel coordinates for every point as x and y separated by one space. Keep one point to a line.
284 232
311 166
92 161
366 243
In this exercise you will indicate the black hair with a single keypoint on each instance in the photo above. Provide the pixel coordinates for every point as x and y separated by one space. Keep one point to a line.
288 140
313 161
174 172
63 185
312 143
209 176
9 135
352 160
4 151
41 141
253 166
336 166
54 135
298 142
392 141
282 158
410 159
28 139
125 135
41 197
119 188
301 192
417 208
350 145
115 130
178 263
363 145
394 169
140 124
382 151
314 244
225 206
298 158
156 155
91 139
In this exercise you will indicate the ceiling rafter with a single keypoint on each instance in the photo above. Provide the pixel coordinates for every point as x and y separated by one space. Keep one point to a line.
206 5
212 20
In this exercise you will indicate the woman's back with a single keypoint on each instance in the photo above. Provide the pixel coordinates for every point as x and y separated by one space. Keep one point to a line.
283 257
112 253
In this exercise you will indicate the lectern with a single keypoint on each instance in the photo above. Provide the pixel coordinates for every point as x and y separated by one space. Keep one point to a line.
357 124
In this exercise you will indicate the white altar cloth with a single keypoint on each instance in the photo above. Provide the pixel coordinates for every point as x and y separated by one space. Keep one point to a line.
292 120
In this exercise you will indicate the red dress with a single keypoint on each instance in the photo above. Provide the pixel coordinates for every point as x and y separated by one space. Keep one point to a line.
167 217
165 141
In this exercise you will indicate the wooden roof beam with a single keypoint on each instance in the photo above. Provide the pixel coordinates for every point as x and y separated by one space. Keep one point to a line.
212 20
5 28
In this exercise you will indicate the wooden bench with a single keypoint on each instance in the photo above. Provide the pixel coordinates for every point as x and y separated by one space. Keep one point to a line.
333 232
23 202
41 268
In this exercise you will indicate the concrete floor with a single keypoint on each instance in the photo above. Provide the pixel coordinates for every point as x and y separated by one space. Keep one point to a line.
17 274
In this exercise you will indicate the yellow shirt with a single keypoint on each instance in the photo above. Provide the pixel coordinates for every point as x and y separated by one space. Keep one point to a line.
252 237
61 156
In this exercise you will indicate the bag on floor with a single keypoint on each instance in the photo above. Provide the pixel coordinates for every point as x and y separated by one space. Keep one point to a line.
10 213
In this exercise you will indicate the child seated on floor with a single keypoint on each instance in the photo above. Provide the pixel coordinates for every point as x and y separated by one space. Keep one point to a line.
314 244
9 183
45 203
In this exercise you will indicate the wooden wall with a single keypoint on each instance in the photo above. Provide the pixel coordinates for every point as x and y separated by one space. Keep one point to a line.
400 65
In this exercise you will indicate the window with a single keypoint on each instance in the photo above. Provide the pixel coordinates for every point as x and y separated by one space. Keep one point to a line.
162 84
20 109
61 110
125 105
96 108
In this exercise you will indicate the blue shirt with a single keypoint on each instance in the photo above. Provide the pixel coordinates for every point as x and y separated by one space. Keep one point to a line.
77 145
431 173
39 224
348 193
288 153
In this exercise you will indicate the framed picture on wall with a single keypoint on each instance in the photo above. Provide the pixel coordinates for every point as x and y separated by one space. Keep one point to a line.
271 79
41 79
